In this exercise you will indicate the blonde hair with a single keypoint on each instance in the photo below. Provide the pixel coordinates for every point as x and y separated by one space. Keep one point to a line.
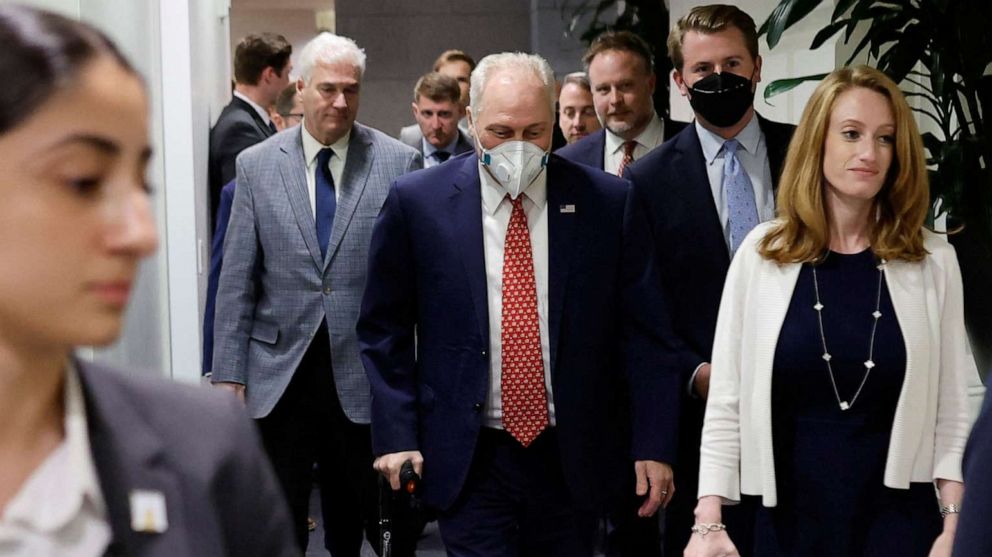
801 232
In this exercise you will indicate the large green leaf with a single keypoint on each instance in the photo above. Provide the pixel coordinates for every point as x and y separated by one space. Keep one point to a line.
827 32
780 86
784 16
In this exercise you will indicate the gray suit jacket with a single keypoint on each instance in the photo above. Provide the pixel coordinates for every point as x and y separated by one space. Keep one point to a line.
197 448
412 136
275 290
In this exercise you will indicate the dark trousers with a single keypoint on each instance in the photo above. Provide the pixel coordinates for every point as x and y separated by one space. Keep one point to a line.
307 427
629 535
515 503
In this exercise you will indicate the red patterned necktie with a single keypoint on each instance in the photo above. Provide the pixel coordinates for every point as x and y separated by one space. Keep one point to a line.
525 403
628 156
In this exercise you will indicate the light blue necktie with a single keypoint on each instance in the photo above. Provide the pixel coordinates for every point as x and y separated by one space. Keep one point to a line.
741 208
325 202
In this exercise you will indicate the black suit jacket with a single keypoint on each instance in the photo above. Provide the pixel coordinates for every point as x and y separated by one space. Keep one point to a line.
238 127
972 538
590 149
693 260
199 450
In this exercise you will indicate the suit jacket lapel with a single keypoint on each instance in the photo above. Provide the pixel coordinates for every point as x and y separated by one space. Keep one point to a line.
465 204
129 456
692 166
259 122
778 146
561 246
293 169
357 169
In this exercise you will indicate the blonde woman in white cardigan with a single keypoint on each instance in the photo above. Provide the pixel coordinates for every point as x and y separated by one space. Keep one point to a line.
838 391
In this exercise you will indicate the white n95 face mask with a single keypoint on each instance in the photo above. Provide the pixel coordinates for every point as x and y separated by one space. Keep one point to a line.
515 164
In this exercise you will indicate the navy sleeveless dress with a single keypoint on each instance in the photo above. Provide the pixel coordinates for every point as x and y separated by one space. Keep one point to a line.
829 463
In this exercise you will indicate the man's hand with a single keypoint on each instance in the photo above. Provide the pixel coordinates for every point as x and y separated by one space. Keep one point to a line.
237 388
654 479
701 383
389 465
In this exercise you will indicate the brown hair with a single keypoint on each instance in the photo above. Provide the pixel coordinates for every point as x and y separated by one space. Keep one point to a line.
801 233
437 87
625 41
577 78
453 55
259 51
711 19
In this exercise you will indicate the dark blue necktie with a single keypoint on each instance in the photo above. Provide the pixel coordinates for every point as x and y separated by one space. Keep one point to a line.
441 156
325 202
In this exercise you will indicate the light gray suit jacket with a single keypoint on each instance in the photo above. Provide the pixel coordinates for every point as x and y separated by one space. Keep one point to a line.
275 290
412 136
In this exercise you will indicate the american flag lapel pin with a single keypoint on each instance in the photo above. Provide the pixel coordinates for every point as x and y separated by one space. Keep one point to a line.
567 208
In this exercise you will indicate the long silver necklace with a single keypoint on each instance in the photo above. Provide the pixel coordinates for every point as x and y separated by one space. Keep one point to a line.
869 363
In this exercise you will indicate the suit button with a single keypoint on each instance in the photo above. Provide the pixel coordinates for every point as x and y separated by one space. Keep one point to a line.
477 407
485 354
327 290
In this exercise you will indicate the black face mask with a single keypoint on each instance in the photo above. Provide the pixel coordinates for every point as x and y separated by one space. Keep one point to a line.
722 99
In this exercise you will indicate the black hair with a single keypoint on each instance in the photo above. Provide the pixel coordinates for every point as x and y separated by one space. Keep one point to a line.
42 53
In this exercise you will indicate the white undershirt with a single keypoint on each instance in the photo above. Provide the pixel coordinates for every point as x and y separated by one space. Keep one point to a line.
496 212
311 147
60 511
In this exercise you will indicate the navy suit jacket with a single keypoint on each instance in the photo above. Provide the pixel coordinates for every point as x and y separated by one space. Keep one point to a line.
614 386
590 149
195 446
213 277
972 538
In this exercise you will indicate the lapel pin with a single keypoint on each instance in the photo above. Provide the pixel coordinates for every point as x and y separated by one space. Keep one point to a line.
148 513
569 208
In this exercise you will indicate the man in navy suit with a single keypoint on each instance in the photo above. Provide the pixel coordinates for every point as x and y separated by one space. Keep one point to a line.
514 335
972 538
261 72
437 109
715 53
621 73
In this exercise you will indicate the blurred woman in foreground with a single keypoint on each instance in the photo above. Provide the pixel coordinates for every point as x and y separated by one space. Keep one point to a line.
93 462
838 391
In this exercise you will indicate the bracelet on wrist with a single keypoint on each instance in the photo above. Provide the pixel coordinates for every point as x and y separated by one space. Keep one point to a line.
950 508
703 528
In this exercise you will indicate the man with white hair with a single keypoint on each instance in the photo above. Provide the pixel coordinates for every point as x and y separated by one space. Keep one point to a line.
290 288
514 337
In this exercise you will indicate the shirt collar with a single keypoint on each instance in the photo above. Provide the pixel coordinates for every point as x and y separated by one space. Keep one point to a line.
258 108
69 472
713 143
493 192
651 137
311 147
430 149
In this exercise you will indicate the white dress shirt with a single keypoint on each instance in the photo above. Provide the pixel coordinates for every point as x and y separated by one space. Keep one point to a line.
496 210
429 150
753 154
652 136
258 108
311 147
60 511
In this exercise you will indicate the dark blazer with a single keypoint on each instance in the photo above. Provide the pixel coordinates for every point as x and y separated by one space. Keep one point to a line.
197 447
972 538
213 276
614 389
590 149
238 127
689 244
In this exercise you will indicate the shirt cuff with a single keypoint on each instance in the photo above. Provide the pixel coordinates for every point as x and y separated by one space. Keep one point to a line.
692 380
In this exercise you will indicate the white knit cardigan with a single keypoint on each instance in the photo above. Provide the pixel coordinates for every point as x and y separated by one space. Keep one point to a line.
932 416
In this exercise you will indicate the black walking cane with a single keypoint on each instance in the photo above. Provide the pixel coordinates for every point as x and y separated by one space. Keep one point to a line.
409 484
